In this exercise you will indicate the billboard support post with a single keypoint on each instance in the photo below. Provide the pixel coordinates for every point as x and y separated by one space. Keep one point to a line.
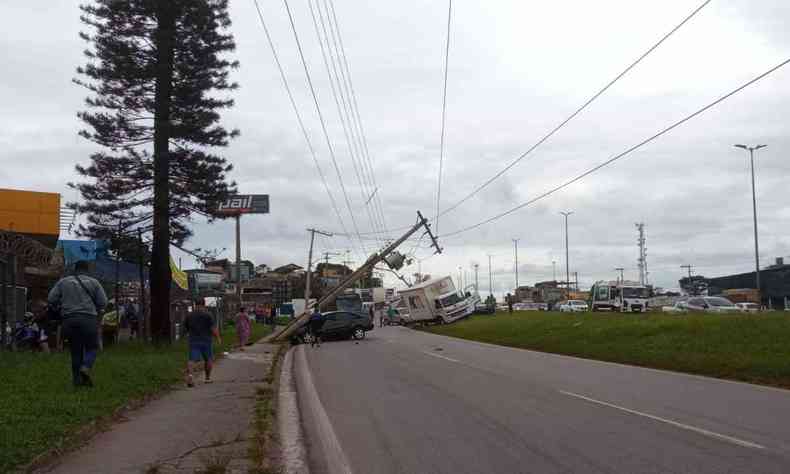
238 258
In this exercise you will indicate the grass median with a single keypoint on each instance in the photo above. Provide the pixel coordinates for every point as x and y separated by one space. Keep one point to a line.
41 410
749 348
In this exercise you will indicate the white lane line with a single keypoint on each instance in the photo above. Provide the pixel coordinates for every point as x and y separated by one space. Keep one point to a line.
433 354
739 442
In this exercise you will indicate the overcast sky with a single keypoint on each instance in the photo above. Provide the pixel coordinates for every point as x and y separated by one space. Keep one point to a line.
517 68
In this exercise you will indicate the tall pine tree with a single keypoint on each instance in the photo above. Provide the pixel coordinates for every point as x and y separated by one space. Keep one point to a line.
158 75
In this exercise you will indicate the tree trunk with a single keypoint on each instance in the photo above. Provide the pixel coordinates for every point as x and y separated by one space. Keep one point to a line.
160 277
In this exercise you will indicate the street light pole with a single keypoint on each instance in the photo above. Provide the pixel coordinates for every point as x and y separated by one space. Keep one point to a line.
490 278
567 263
754 215
477 287
515 251
554 270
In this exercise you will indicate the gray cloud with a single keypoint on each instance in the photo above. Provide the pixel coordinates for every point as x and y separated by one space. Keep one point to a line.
516 69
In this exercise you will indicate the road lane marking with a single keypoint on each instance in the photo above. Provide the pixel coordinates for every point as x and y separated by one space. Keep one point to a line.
440 356
739 442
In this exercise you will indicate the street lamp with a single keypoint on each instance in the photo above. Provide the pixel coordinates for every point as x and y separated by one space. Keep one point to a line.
751 150
567 264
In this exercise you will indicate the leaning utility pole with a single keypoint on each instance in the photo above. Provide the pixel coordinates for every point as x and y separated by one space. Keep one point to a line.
310 263
642 261
357 274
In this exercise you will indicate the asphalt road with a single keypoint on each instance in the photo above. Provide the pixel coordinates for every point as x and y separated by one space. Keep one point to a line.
403 401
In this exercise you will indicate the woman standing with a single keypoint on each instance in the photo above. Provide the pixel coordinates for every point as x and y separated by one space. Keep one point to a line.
243 327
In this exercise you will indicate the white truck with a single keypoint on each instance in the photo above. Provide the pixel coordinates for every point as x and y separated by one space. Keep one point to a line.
620 296
437 300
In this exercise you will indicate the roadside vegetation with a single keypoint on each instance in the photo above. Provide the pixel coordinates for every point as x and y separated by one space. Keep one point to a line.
751 348
42 411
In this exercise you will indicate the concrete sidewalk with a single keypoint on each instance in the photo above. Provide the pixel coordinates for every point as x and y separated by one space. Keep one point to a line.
187 429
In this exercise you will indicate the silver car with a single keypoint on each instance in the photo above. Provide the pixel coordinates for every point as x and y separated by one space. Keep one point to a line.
711 304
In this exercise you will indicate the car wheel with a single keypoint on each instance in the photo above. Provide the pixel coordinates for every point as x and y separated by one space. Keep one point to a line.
358 334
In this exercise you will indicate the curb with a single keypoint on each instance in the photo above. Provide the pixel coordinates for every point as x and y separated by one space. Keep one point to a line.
294 452
328 450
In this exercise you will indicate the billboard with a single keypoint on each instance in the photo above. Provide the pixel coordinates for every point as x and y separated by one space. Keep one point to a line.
244 204
30 212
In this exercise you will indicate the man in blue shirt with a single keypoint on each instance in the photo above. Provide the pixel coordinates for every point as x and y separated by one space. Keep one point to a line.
200 326
314 325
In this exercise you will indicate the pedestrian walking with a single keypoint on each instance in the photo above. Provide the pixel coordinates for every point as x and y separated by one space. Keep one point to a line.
509 303
132 319
390 314
80 300
243 327
200 327
314 325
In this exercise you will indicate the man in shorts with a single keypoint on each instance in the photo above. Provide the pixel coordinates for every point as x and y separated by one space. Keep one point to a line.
201 327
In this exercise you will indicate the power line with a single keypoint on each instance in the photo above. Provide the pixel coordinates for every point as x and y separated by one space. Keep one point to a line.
621 155
358 116
323 123
341 110
573 115
444 112
301 122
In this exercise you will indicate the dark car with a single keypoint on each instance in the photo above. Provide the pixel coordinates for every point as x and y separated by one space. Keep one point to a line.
338 324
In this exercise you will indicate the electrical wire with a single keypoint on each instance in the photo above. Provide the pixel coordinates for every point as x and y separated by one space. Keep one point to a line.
323 124
575 113
351 92
620 155
341 110
444 112
301 123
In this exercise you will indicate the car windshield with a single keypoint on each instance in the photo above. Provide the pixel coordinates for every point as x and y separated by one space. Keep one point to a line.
450 299
718 302
631 292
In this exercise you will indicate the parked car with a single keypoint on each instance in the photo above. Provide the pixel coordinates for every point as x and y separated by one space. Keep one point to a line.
338 324
398 319
573 306
748 307
678 307
711 304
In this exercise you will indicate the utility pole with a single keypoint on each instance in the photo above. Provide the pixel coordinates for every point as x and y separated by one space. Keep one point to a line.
490 278
310 264
642 261
689 267
515 251
576 280
460 278
754 215
477 286
567 263
620 269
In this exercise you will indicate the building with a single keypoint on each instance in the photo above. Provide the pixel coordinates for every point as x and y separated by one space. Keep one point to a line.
523 294
287 269
228 269
774 280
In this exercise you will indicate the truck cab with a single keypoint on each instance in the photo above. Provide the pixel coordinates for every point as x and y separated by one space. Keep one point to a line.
620 296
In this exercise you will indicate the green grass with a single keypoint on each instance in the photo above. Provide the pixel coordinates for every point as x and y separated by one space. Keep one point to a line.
39 408
750 348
